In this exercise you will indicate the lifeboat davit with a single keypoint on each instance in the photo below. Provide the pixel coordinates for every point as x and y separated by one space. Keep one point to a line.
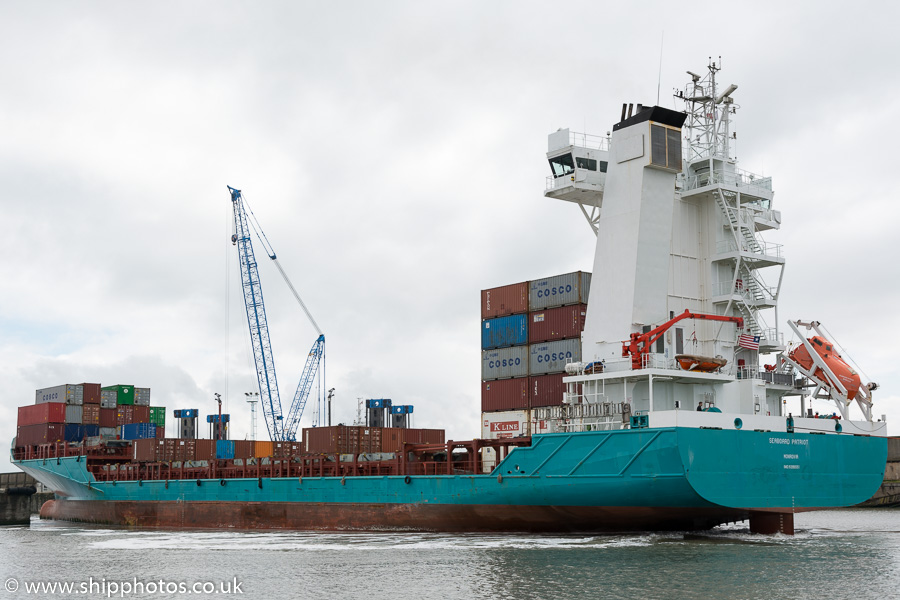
704 364
844 372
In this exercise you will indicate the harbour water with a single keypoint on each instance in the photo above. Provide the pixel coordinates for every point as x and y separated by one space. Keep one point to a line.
852 553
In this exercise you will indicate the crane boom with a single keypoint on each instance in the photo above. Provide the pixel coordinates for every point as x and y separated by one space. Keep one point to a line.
638 346
256 319
279 429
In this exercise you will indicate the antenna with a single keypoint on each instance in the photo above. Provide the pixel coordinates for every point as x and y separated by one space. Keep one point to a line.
659 77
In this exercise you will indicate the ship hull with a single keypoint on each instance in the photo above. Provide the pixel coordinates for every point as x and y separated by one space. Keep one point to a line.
672 478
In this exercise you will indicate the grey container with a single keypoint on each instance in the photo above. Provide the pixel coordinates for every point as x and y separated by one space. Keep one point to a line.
141 396
74 413
108 432
552 357
504 363
560 290
108 399
68 393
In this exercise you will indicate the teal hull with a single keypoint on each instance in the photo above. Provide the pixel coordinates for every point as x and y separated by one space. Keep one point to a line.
641 479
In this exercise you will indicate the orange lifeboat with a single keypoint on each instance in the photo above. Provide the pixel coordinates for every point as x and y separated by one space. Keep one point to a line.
844 372
704 364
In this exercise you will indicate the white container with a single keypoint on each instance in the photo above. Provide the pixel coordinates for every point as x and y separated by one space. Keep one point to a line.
571 288
552 357
504 363
141 396
68 393
74 413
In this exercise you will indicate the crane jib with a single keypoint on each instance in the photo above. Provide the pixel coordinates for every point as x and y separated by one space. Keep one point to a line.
280 429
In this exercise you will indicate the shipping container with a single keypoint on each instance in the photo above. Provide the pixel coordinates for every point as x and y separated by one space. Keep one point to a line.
138 431
547 390
124 414
563 322
504 394
42 433
68 393
552 357
108 417
504 300
393 438
142 396
205 449
108 398
510 424
124 393
224 449
261 449
184 449
340 439
158 415
504 331
91 414
36 414
243 449
108 432
76 432
504 363
74 413
560 290
145 450
91 393
141 414
160 431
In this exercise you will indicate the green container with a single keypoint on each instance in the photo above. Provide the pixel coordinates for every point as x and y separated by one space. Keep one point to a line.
124 393
158 415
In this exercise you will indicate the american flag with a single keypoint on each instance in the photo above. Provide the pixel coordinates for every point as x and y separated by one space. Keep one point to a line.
750 342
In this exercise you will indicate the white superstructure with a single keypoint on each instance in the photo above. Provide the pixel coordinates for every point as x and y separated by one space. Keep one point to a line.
679 228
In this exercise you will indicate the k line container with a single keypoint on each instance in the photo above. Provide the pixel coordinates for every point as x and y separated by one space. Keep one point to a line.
504 394
68 393
74 413
551 324
43 433
512 423
504 363
504 300
36 414
571 288
91 393
552 357
504 331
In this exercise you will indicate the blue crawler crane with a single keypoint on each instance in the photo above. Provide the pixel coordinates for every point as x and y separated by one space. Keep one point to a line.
280 429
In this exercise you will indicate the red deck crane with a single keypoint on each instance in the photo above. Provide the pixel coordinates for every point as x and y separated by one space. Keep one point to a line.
639 345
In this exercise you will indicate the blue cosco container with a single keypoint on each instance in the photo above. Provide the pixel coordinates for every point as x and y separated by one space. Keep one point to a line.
504 331
224 449
76 433
138 431
503 363
571 288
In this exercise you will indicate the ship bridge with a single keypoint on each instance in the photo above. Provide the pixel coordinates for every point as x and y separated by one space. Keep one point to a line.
578 163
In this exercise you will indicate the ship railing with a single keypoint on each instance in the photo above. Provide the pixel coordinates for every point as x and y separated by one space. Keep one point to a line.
772 336
587 140
727 288
765 248
746 181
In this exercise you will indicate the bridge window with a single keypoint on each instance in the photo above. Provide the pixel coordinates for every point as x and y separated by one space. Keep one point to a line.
562 165
586 163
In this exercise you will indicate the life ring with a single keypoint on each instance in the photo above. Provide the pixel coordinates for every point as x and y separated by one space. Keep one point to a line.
407 479
222 482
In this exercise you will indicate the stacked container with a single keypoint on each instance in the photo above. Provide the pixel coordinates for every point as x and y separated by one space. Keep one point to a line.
530 331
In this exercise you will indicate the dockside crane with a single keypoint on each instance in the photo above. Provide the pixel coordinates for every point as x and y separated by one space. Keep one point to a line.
280 429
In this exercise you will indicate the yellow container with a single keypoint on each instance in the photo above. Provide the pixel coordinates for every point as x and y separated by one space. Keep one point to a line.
262 449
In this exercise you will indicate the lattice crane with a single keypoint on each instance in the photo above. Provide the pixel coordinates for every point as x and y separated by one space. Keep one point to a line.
280 429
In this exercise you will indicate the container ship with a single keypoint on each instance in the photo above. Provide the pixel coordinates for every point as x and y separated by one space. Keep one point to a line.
632 398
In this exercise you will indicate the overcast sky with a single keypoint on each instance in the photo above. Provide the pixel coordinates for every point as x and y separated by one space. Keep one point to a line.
394 153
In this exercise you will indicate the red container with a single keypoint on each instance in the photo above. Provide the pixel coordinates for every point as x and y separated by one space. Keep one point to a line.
124 414
505 300
160 432
44 433
90 414
91 393
504 394
243 449
205 449
141 414
547 390
565 322
393 438
108 417
339 439
35 414
145 450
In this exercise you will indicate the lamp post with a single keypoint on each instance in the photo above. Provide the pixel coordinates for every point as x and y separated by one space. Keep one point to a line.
252 398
